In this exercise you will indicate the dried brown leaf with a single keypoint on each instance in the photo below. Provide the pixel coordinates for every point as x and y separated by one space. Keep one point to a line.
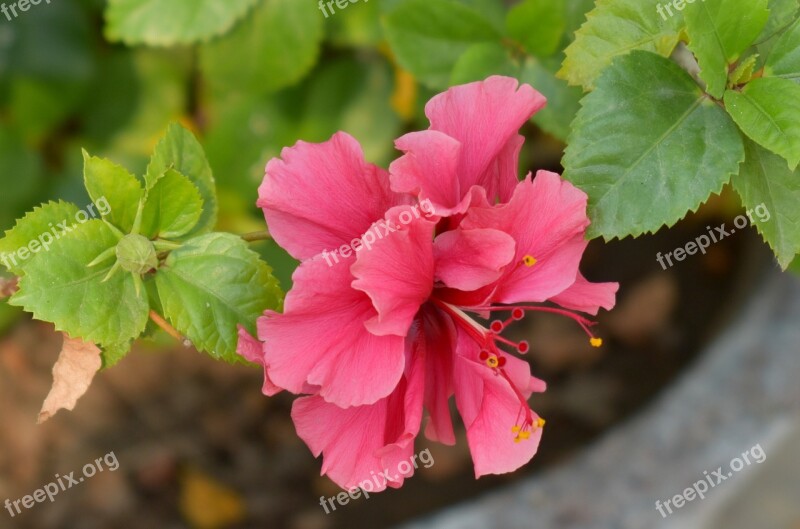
72 375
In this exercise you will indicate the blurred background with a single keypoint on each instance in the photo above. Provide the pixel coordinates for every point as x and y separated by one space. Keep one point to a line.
198 445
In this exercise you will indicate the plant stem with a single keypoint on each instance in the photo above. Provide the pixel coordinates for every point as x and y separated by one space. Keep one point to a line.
164 324
256 236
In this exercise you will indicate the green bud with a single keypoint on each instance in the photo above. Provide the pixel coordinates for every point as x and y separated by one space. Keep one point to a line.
136 253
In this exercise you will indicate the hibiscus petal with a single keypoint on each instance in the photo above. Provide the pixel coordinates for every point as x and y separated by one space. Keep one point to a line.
485 117
519 373
361 445
471 259
434 340
587 297
399 453
253 351
429 170
490 407
397 272
547 219
321 339
472 141
318 197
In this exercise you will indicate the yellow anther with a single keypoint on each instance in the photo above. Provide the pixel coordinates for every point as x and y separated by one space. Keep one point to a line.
540 422
525 435
492 361
596 342
515 429
529 260
516 439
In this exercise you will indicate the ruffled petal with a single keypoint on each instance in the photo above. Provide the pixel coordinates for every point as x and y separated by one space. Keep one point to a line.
321 340
253 351
471 259
547 219
429 170
490 407
318 197
365 446
472 141
397 271
435 340
587 297
398 454
485 118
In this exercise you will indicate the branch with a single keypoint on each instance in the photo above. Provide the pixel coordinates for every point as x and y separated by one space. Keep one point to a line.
256 236
164 324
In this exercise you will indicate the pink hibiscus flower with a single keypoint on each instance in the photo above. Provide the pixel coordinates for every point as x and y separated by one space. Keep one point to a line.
397 272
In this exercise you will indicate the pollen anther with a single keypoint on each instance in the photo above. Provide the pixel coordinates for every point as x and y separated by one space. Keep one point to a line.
529 260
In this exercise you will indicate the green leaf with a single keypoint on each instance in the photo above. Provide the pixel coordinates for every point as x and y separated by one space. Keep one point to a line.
493 11
173 207
180 150
46 62
781 14
112 354
795 266
614 28
481 61
159 23
274 48
768 111
719 31
35 231
784 58
647 146
153 83
429 36
60 288
563 101
345 93
212 284
237 152
22 163
771 193
575 12
538 25
112 184
359 27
